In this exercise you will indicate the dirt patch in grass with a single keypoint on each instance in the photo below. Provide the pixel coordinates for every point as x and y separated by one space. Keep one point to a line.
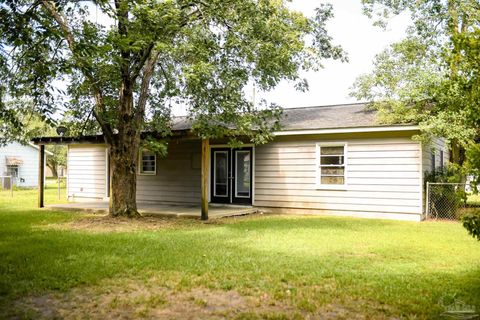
105 223
151 300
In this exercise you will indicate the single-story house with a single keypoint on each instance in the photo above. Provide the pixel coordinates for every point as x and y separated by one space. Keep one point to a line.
21 162
335 160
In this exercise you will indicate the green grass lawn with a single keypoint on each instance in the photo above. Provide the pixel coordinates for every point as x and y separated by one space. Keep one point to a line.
474 200
72 265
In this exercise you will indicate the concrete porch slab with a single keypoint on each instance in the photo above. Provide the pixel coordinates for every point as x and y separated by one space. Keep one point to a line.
156 209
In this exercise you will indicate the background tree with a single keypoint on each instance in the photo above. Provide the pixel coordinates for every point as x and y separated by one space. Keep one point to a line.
147 55
25 124
432 77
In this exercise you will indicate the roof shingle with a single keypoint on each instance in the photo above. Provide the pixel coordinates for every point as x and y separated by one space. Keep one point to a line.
328 117
320 117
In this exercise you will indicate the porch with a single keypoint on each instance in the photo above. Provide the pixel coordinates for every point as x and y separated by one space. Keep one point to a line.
158 209
210 180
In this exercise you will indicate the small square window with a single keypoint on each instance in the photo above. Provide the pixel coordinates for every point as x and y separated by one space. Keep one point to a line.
147 163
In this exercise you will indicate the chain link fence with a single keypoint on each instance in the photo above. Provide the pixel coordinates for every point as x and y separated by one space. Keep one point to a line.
58 184
11 186
446 201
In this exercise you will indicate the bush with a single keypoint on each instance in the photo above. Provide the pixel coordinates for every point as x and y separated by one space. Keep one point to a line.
472 165
448 198
449 174
471 222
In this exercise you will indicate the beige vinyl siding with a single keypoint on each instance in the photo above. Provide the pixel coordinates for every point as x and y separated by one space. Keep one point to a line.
177 179
86 172
434 147
383 176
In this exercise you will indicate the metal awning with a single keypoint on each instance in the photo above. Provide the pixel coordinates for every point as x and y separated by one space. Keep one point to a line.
13 161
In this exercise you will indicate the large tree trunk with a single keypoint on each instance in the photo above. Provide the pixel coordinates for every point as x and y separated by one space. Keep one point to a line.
53 168
123 158
123 162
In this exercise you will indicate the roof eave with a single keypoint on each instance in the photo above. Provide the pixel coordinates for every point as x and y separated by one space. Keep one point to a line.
99 138
394 128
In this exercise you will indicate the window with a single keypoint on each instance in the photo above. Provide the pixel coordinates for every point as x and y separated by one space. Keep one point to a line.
433 161
12 170
331 164
441 160
147 163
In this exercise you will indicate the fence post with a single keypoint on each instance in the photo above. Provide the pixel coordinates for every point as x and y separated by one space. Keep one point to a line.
41 175
427 201
58 183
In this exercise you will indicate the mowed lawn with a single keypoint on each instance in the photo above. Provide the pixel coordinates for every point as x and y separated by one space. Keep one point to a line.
74 265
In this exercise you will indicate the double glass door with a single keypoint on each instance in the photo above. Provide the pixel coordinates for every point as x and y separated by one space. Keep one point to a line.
231 180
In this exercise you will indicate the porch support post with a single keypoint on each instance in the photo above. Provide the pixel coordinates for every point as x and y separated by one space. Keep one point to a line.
205 175
41 175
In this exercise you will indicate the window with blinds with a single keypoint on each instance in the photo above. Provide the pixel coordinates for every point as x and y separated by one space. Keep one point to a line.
331 164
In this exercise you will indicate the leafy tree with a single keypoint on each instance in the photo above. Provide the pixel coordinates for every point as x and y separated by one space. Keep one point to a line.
57 159
19 122
32 125
472 166
432 77
147 55
471 222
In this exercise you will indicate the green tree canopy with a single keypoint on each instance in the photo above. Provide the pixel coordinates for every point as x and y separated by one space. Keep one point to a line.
147 55
433 76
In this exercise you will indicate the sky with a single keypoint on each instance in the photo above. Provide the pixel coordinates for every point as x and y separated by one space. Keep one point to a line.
355 32
349 28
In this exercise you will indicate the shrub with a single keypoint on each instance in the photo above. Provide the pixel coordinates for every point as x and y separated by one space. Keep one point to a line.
472 165
471 222
448 198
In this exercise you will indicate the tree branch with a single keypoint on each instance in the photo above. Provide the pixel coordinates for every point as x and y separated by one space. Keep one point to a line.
144 87
139 63
97 92
122 18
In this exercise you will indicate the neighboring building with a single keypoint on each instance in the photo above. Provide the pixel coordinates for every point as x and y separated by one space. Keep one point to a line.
469 188
21 162
333 160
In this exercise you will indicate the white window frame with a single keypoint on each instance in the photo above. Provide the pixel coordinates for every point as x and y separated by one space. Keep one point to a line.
140 164
318 181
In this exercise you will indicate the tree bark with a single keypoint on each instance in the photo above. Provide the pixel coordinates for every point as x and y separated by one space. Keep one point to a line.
53 168
123 162
123 159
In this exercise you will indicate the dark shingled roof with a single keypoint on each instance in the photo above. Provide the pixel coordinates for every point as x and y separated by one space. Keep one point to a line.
321 117
328 117
356 115
181 124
